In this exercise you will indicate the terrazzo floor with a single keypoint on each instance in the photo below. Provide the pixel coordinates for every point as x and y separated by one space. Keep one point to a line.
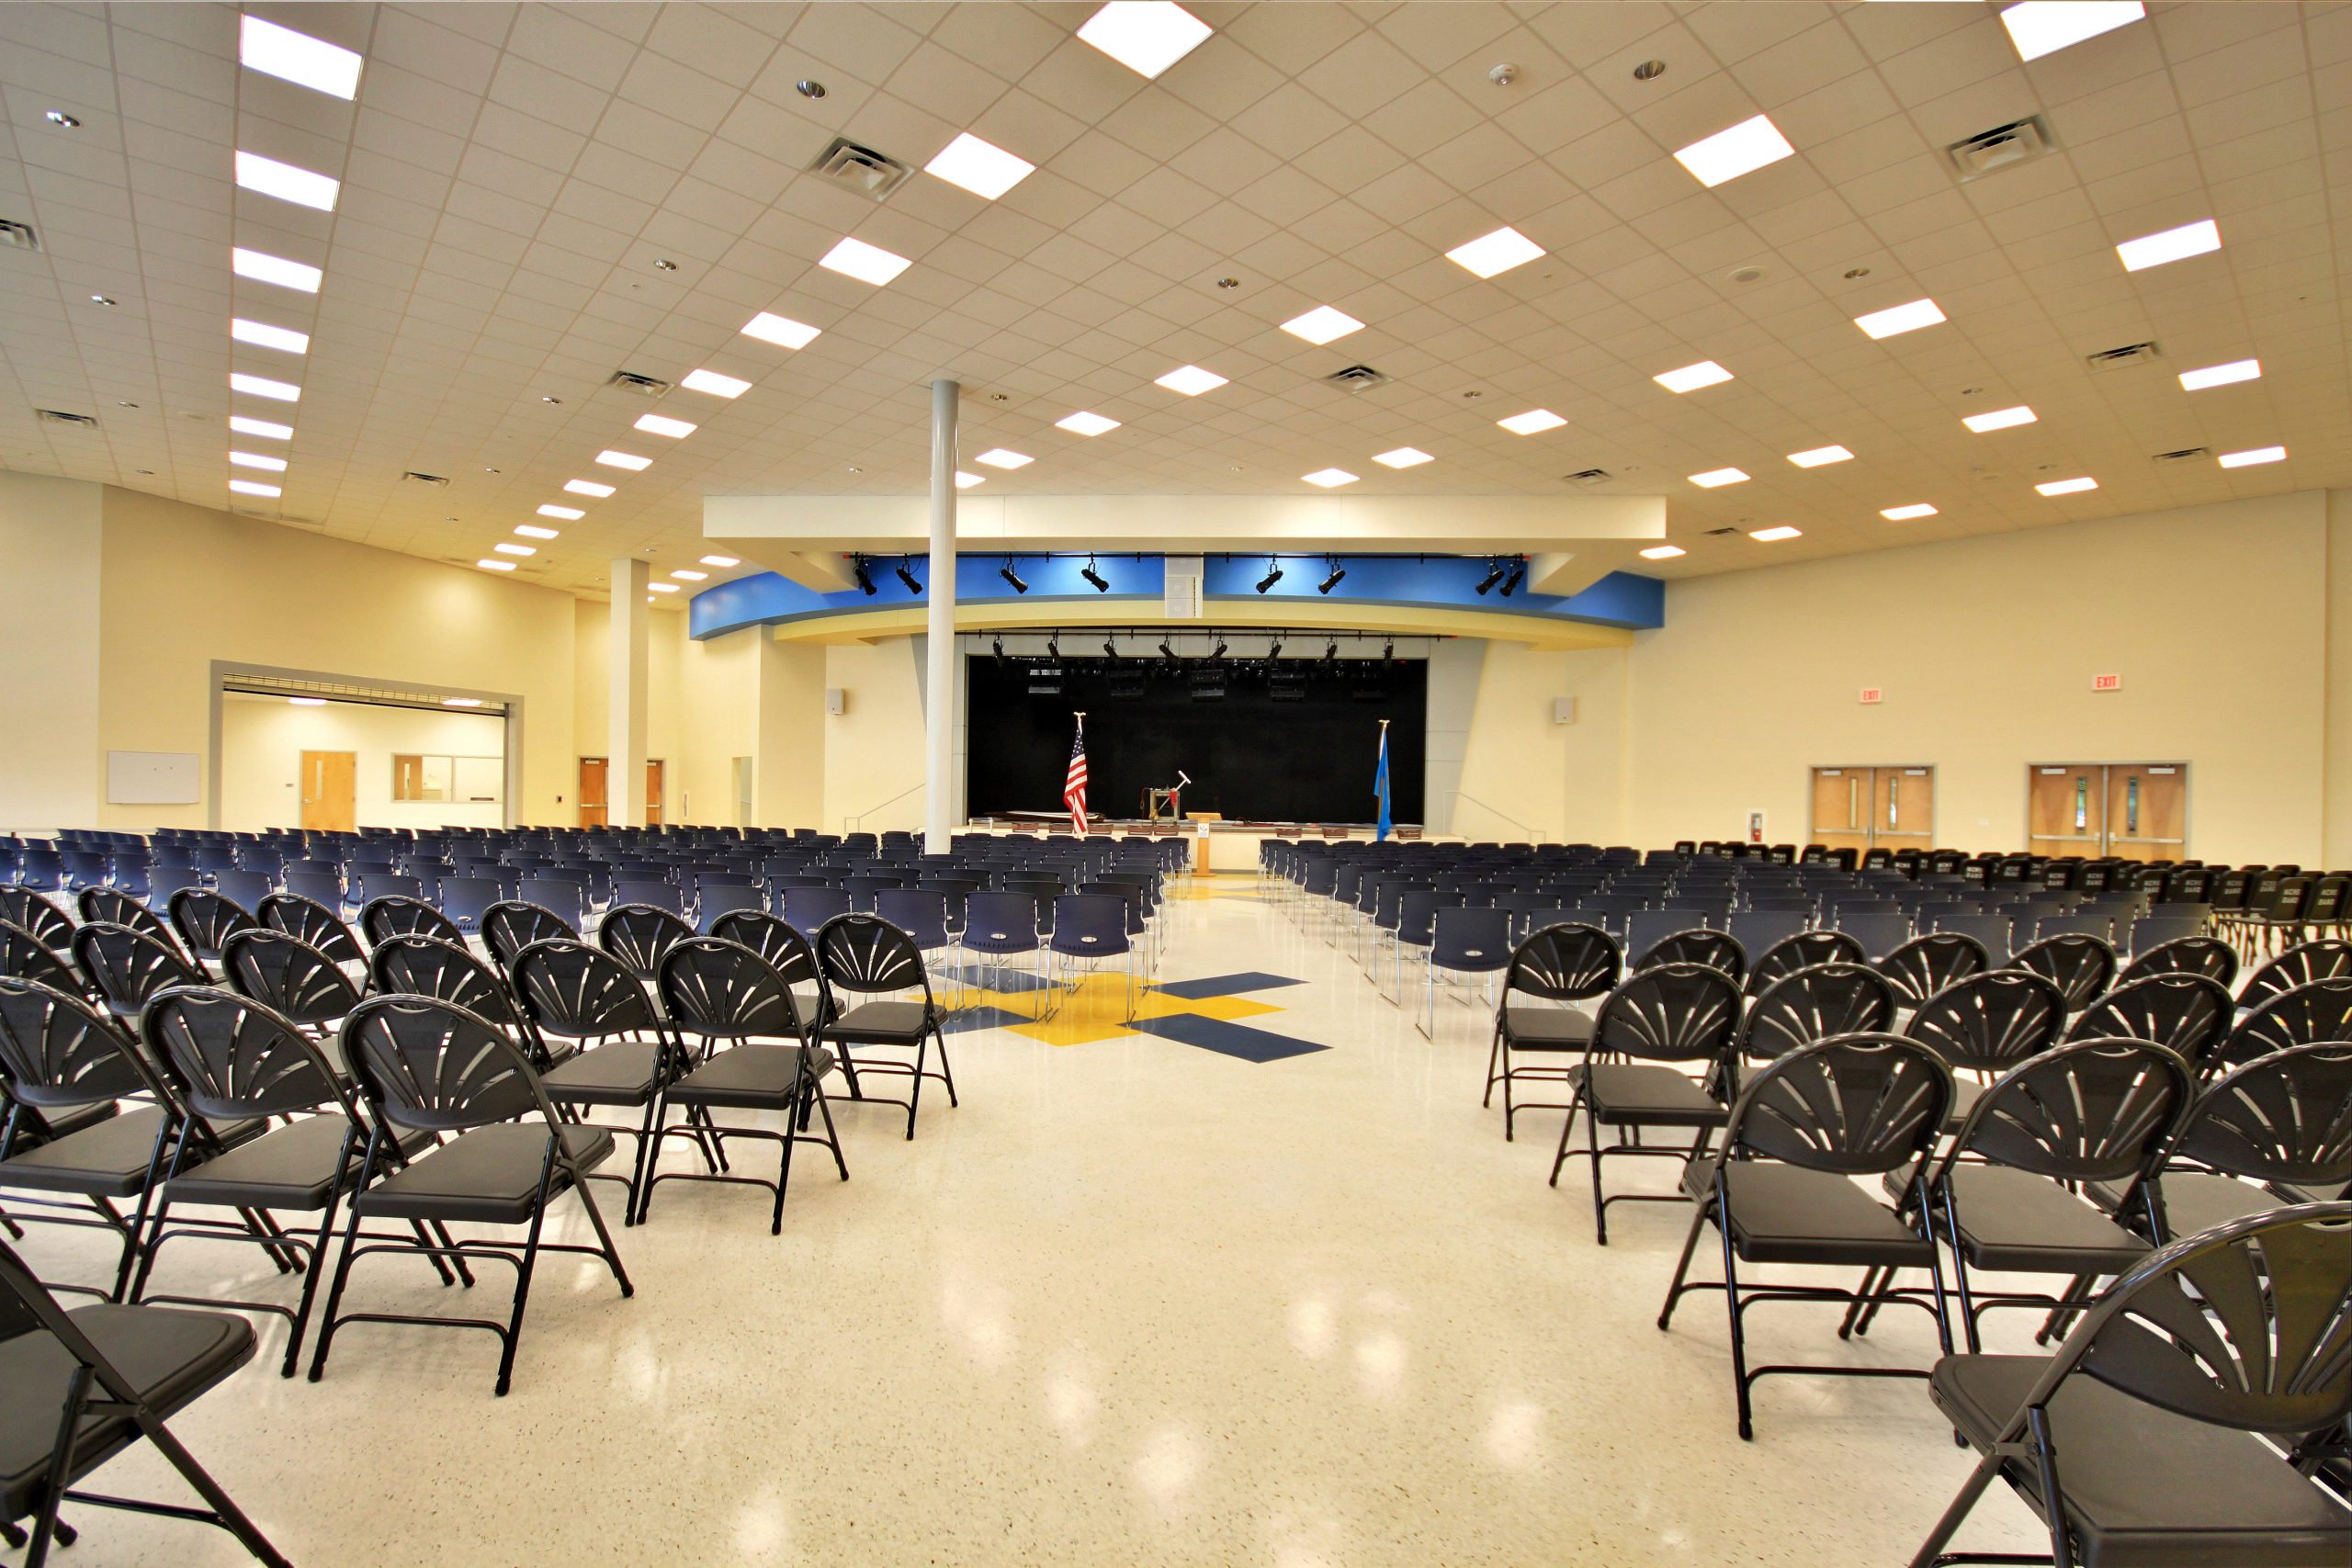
1171 1295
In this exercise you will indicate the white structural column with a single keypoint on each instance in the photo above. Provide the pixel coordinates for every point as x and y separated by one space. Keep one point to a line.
624 740
939 584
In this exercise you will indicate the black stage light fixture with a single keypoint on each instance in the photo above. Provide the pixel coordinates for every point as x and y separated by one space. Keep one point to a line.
1517 575
1339 573
864 578
1110 650
907 576
1274 574
1012 576
1218 651
1101 584
1274 648
1331 651
999 648
1168 653
1494 575
1389 652
1054 644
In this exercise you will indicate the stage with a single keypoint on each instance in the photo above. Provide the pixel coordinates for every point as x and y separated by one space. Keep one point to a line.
1217 847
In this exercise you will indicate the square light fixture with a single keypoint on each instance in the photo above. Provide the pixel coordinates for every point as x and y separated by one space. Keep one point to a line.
297 58
1490 255
617 459
662 424
1004 457
2067 487
286 181
986 170
1898 319
1403 458
263 267
1715 476
257 460
1329 479
1691 378
1191 380
588 486
663 587
1773 536
268 430
1999 419
533 530
867 263
493 564
1819 456
1322 325
1145 36
2170 245
1727 154
2248 460
2045 27
254 487
1663 552
263 386
261 334
2220 374
569 514
712 382
1906 513
967 480
1532 421
1084 423
688 574
782 330
508 547
720 560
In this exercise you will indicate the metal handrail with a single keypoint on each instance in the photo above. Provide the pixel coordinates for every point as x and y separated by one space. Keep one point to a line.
851 824
1492 810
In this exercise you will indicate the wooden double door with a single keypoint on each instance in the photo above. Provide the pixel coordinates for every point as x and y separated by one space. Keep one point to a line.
2127 810
1873 807
596 796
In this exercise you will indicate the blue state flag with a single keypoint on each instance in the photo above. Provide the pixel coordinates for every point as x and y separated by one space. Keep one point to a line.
1380 789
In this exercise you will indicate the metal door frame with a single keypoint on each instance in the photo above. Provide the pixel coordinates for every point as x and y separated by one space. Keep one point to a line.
2106 840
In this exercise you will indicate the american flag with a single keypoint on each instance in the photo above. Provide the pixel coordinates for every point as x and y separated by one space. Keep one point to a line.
1074 783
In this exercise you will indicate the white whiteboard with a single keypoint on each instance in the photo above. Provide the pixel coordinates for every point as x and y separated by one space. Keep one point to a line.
152 778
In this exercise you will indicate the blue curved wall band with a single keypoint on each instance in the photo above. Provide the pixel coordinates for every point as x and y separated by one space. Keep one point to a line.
1448 582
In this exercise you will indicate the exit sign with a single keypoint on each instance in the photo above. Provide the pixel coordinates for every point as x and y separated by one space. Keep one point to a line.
2107 683
1873 694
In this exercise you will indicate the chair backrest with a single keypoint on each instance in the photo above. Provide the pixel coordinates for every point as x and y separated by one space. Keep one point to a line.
117 907
567 988
2209 956
464 900
639 935
1990 1022
785 948
1814 1003
1716 949
2325 958
313 922
1476 940
287 975
2284 1117
2304 1016
865 953
129 966
431 1064
1000 922
566 898
418 965
23 957
1880 934
399 915
2083 967
58 1053
716 900
232 1057
1564 963
921 915
1993 933
1802 951
1855 1104
724 990
807 908
1670 1012
27 910
242 888
2092 1110
511 925
1925 965
2190 1013
204 918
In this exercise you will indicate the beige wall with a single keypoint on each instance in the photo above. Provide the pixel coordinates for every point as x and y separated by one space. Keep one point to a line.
263 740
874 761
51 558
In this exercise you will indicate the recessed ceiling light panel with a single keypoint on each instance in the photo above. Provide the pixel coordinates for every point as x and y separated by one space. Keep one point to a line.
1774 534
1906 513
259 460
687 574
493 564
1403 458
263 267
297 58
1663 552
1714 477
268 430
254 487
867 263
1328 479
980 167
714 384
508 547
1999 419
1727 154
261 334
2170 245
2044 26
1085 423
2067 487
663 587
1820 455
263 386
1191 380
1004 457
1897 318
782 330
267 176
1691 378
612 458
2220 374
588 486
1145 36
1531 421
967 480
662 424
569 514
533 530
2249 459
1490 255
1322 324
720 560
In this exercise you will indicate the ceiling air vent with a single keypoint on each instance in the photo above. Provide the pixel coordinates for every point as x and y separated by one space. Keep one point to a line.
643 385
21 235
862 169
2003 147
2112 358
1355 379
2185 454
1588 477
413 477
59 416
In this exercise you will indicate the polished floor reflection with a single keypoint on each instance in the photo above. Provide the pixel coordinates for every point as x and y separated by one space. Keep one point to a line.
1145 1298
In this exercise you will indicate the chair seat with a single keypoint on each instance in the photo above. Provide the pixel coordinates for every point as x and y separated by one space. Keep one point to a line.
489 1176
2195 1201
755 1076
106 1160
292 1166
2015 1221
1786 1214
168 1354
881 1023
1639 1094
2144 1486
1546 1029
622 1072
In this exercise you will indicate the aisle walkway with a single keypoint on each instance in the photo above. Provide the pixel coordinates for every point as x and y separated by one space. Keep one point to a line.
1163 1296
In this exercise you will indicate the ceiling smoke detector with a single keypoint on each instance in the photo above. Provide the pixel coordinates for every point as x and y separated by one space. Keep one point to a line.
862 169
2129 354
2003 147
1355 379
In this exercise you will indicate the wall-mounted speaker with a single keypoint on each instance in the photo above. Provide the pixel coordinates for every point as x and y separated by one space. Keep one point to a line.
836 700
1564 710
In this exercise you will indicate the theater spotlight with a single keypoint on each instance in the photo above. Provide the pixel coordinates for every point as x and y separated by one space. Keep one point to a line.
1274 648
1338 573
1054 644
1517 575
1274 574
1012 577
1494 575
999 648
1101 584
1218 651
1110 650
908 577
1331 651
864 578
1389 652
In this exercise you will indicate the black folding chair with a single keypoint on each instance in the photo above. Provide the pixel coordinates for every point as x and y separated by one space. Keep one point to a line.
1555 964
1986 1024
2188 1012
1925 965
864 956
300 983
